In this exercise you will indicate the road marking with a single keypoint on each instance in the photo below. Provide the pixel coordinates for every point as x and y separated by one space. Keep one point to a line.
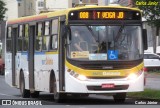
10 95
5 94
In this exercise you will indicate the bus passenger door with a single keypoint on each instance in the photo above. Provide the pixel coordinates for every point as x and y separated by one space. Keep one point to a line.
31 57
14 52
62 55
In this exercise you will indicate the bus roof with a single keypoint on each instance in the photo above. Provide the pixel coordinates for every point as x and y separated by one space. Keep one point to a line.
60 13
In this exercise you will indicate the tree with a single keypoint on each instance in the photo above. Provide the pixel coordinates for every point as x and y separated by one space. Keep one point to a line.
3 9
151 12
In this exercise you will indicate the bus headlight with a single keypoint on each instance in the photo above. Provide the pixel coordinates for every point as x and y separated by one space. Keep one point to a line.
76 75
82 77
132 76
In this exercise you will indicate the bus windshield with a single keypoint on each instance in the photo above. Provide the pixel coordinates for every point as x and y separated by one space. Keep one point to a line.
122 42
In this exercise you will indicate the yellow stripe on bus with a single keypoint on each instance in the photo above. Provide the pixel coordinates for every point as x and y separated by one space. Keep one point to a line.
104 73
51 52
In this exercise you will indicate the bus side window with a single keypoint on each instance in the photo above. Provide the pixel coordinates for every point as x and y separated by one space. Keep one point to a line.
9 42
26 38
20 37
54 35
54 42
46 36
39 36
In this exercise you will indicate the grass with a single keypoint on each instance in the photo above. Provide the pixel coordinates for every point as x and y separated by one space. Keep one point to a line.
156 72
146 94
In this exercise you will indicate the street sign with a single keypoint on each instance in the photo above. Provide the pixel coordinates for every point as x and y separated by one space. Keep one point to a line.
112 54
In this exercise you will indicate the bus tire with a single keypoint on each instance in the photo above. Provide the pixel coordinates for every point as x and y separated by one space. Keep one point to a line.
119 97
84 95
24 93
35 94
58 97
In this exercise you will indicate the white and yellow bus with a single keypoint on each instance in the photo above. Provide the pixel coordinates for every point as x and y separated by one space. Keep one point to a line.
42 55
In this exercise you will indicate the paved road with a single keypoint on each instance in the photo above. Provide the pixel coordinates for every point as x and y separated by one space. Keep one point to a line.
153 81
93 101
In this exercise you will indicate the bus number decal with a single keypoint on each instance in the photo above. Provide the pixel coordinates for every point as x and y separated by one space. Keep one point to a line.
84 15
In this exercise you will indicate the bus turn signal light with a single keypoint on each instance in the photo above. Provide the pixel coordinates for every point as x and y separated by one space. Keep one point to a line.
76 75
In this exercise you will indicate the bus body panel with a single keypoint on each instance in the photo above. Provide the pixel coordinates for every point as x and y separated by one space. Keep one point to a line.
22 60
74 85
44 63
8 68
25 69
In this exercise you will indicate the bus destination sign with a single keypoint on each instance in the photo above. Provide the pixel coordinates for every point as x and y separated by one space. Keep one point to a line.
104 15
101 15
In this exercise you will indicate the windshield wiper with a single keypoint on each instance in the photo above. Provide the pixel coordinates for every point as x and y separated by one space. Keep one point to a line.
91 31
119 32
93 34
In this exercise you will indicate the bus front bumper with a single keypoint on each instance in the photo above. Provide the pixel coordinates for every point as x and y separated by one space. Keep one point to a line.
73 85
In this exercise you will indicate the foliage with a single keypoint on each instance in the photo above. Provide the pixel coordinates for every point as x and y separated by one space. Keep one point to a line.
3 9
150 12
146 94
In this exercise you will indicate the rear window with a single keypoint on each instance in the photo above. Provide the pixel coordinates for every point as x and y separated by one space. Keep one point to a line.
151 56
145 56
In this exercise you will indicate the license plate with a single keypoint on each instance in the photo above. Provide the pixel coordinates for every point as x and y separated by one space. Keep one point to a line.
107 85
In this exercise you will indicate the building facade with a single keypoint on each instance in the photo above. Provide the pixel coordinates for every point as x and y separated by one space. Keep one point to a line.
128 3
52 5
33 7
11 13
19 8
26 8
103 2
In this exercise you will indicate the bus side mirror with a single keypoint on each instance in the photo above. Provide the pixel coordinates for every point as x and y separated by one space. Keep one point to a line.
144 36
69 32
63 26
64 30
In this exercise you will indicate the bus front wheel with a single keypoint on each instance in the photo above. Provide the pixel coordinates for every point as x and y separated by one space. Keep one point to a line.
58 97
119 97
35 94
24 93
